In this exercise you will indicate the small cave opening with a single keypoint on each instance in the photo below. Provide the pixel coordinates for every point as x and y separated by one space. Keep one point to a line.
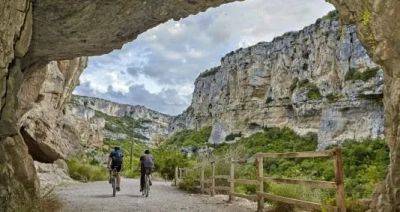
35 150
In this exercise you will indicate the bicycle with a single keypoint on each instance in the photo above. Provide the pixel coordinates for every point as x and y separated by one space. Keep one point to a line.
146 189
113 180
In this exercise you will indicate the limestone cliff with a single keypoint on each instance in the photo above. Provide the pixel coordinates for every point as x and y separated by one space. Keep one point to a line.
48 133
319 79
118 121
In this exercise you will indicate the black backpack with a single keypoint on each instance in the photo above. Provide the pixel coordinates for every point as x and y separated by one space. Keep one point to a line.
117 157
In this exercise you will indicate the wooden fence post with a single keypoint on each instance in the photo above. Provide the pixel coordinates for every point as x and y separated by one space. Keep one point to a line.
176 176
340 194
232 181
202 178
213 178
260 172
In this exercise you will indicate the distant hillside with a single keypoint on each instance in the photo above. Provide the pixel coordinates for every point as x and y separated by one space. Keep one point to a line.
117 121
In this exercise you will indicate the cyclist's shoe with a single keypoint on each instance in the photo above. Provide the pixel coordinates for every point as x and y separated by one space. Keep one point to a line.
118 189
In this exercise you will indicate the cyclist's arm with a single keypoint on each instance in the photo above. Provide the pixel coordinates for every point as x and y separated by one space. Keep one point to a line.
109 162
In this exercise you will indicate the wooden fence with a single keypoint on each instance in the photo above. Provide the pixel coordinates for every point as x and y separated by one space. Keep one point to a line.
261 194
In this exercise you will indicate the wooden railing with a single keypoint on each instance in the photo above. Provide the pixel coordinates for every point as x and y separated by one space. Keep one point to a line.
261 195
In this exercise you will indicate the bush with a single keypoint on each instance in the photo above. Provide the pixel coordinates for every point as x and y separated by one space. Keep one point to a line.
365 162
82 171
189 182
353 74
313 93
190 138
333 97
167 159
232 136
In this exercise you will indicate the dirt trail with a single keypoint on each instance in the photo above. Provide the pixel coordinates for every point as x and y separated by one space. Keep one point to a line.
97 196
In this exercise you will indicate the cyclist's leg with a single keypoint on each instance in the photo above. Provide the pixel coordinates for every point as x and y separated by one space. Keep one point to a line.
118 176
149 170
142 176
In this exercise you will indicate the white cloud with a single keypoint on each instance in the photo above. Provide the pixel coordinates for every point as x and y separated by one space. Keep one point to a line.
166 60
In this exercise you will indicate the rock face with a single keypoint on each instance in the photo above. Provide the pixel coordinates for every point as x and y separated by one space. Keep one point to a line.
65 30
18 180
100 113
48 133
52 174
319 80
378 29
83 28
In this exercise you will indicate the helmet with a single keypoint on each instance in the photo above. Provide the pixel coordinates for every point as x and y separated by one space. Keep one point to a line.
146 151
117 148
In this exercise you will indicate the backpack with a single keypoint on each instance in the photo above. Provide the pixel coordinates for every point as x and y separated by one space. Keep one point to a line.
117 157
147 161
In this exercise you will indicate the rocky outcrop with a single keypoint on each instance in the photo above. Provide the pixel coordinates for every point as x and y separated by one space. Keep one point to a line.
99 114
18 180
83 28
48 133
52 174
378 29
318 80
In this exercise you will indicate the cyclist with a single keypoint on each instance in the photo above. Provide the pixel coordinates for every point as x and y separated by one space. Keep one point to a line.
146 167
115 161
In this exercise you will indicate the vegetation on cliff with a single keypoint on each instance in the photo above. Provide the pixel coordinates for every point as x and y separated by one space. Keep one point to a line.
123 125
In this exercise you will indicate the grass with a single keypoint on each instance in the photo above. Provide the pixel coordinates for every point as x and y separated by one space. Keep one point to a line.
47 201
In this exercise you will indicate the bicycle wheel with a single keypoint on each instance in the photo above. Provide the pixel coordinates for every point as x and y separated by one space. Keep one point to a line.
147 185
114 185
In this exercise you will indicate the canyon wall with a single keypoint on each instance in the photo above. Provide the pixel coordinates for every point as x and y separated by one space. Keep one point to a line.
65 30
319 80
47 131
111 119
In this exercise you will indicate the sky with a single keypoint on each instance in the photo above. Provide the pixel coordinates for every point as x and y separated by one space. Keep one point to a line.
159 68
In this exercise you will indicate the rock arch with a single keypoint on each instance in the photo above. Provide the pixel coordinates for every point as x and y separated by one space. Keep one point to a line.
69 29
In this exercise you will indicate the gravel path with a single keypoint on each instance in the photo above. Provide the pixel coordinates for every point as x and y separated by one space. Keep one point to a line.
97 196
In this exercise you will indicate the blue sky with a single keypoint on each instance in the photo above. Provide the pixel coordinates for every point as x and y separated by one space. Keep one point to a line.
158 69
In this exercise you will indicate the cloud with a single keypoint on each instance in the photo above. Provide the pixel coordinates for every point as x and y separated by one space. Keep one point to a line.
167 100
166 60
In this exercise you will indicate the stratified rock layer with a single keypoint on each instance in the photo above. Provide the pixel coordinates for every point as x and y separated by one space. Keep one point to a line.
319 80
150 123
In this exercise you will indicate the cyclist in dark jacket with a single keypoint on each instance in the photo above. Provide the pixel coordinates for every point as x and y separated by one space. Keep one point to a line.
115 161
146 166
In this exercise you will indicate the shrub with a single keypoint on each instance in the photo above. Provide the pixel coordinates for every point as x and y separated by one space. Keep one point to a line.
294 84
333 97
81 170
190 138
189 182
232 136
167 159
354 74
313 92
